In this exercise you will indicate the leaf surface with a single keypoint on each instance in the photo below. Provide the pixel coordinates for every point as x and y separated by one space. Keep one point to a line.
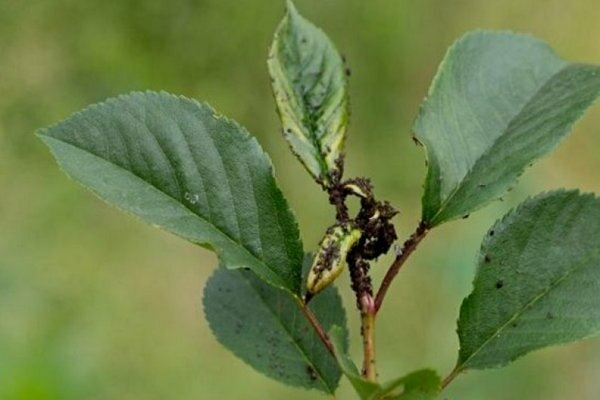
499 102
178 165
537 282
309 83
265 327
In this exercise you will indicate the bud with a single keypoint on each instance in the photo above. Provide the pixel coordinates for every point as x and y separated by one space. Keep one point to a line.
330 259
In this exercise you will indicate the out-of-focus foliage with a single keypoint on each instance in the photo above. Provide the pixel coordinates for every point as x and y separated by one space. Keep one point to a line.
96 305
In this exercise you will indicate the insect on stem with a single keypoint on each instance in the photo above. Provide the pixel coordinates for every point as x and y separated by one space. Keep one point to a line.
369 370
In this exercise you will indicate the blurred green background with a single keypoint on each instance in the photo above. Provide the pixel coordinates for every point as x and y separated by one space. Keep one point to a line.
96 305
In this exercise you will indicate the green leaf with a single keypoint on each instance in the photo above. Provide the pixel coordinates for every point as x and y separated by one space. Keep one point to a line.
265 327
420 385
178 165
499 102
309 83
537 283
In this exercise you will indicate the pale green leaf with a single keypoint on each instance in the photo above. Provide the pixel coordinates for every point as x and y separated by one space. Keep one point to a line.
265 327
178 165
309 84
499 102
420 385
537 282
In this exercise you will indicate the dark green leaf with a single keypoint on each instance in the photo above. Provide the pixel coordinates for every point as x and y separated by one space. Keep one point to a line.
499 102
178 165
420 385
537 283
309 84
265 327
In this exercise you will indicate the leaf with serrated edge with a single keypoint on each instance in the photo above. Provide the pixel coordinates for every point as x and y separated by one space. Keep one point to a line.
178 165
265 327
537 282
499 102
309 85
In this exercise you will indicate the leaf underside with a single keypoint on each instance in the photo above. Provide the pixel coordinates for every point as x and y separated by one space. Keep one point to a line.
309 85
265 327
537 282
499 102
178 165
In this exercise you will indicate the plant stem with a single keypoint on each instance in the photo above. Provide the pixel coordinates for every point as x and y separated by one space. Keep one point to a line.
312 318
369 370
407 249
453 374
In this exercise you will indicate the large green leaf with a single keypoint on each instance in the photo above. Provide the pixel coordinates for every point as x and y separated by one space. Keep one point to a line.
309 84
499 102
265 327
178 165
538 281
419 385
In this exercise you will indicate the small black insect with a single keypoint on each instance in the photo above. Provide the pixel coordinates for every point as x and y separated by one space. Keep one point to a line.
312 374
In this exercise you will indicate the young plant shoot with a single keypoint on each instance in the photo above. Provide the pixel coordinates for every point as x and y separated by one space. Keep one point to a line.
498 103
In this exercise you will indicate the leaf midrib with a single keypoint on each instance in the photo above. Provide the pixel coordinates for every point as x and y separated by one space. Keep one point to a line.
530 304
171 198
302 103
458 186
300 349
